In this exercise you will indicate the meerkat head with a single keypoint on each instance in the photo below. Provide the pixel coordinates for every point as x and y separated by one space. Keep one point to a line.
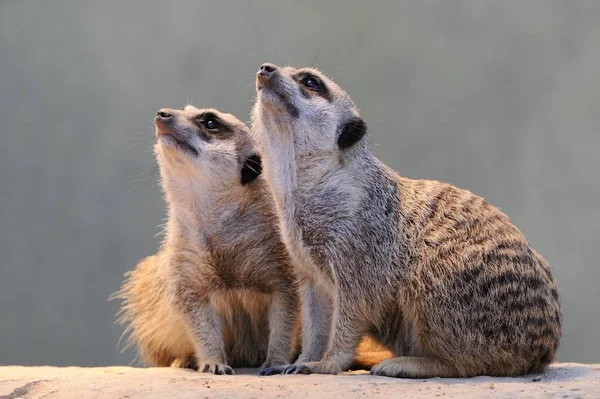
205 144
307 105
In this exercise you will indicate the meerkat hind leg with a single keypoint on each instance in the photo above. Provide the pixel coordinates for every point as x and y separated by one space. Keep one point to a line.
414 367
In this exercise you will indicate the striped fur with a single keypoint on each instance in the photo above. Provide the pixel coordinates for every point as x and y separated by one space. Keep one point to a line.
438 275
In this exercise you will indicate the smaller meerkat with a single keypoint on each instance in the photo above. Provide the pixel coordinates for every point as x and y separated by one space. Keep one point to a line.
221 292
441 277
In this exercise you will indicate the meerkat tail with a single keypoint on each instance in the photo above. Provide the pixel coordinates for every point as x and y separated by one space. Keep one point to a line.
414 367
366 360
369 353
188 362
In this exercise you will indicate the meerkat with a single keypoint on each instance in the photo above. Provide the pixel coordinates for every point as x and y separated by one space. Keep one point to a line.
438 275
221 236
221 292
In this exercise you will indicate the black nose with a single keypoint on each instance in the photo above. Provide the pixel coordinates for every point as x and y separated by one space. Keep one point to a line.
164 115
266 70
269 68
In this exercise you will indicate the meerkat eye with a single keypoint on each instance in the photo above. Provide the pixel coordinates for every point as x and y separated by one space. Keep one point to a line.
311 83
211 124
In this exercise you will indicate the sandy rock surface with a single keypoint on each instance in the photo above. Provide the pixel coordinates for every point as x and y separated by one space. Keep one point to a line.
565 380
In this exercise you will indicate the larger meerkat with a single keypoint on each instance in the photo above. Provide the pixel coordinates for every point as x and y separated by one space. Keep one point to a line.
437 274
221 292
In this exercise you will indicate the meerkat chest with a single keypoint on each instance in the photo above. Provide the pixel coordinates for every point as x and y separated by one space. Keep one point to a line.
325 208
326 183
324 199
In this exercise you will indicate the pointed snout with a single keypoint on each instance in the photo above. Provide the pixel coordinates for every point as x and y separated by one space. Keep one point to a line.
163 121
164 116
265 73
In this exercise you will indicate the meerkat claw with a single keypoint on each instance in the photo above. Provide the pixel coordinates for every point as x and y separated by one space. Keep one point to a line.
297 369
218 369
302 369
290 369
273 370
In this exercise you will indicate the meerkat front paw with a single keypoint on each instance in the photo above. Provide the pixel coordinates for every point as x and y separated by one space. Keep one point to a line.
322 367
273 364
273 370
216 368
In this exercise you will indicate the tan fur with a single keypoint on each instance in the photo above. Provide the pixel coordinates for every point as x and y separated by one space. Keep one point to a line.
158 332
220 293
155 327
439 276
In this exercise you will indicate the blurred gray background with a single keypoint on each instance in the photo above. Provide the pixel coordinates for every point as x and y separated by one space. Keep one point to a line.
499 97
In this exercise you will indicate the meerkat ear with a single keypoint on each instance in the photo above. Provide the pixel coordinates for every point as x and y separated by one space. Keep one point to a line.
251 169
352 132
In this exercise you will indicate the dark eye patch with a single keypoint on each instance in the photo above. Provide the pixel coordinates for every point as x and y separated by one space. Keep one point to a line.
312 85
210 123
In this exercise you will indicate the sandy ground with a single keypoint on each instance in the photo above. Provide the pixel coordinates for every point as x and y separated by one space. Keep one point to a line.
565 380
